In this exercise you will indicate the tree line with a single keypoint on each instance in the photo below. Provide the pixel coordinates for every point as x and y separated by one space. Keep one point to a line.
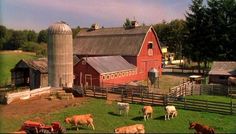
207 34
26 40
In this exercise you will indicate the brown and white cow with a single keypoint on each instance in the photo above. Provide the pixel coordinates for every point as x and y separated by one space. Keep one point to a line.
201 129
147 112
132 129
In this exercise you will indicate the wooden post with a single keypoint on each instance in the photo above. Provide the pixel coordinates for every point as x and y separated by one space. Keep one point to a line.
106 93
184 103
152 98
231 107
142 96
132 95
94 92
122 95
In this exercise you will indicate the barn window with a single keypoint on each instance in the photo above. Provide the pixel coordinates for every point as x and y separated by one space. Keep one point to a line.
150 45
103 77
150 49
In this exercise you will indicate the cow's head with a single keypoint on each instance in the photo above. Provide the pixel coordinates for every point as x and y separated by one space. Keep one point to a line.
192 125
67 120
116 131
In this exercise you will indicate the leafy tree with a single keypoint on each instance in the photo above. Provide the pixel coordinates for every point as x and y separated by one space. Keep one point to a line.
3 32
197 47
127 23
43 36
32 36
75 31
16 41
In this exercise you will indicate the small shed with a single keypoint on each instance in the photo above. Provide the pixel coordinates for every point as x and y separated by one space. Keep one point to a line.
30 73
103 71
221 71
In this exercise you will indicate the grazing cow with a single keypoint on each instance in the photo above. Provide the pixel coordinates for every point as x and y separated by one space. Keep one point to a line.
147 112
86 119
132 129
123 107
201 129
170 110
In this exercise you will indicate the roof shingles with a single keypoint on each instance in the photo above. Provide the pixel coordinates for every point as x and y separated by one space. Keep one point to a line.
223 68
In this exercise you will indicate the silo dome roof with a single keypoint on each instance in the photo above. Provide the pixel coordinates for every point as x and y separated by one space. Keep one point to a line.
59 28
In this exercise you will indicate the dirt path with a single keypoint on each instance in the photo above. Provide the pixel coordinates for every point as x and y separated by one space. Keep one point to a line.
38 104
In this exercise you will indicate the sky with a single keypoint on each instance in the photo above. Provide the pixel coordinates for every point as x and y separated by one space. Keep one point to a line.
40 14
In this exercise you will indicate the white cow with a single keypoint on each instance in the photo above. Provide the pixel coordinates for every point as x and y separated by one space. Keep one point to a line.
170 110
123 107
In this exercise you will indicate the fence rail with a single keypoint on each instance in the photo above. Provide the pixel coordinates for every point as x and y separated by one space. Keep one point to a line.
175 97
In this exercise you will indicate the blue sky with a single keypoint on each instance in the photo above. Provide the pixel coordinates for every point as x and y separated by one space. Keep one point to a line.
39 14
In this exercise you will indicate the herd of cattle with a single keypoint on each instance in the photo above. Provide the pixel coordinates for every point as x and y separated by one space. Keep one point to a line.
87 119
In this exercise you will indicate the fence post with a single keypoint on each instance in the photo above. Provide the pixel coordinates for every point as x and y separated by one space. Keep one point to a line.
107 93
142 96
122 95
94 92
184 103
152 98
231 107
132 95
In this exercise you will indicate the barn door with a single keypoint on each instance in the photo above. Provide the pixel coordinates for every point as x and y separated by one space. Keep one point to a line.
88 80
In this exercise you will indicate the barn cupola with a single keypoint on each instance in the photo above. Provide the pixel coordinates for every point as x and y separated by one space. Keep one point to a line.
134 24
94 26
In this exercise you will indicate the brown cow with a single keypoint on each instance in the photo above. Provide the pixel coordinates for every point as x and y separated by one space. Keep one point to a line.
147 112
201 129
132 129
86 119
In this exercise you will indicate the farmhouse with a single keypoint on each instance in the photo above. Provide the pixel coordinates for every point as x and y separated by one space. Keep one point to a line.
137 45
221 71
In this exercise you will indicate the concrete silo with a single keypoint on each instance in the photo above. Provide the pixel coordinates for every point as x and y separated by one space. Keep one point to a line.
60 55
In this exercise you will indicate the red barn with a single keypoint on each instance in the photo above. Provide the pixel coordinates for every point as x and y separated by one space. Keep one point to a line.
138 46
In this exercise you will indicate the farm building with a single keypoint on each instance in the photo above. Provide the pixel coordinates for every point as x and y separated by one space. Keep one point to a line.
221 71
138 45
30 73
104 71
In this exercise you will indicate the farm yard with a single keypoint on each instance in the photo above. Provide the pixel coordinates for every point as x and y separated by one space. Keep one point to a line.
106 117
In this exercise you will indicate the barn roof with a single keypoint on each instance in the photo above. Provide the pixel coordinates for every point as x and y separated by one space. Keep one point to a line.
39 64
223 68
108 64
110 41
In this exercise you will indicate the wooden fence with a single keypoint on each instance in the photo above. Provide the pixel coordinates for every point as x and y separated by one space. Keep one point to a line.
176 98
204 105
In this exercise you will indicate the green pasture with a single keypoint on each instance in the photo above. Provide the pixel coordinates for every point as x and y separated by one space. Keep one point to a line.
106 119
8 61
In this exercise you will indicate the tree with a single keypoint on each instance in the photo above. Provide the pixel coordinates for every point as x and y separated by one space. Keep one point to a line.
43 36
172 34
17 39
127 23
75 31
32 36
3 33
196 47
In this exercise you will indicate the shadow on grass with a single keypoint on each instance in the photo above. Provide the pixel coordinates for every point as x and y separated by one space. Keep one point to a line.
113 113
139 118
73 128
160 117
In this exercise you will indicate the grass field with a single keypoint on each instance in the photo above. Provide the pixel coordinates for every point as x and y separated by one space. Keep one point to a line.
106 119
8 61
212 98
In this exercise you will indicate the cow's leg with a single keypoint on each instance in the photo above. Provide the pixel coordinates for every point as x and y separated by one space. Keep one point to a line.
144 117
168 115
92 126
172 115
165 116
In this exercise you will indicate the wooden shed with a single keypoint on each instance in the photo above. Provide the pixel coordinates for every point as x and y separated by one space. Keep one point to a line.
138 45
221 71
30 73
